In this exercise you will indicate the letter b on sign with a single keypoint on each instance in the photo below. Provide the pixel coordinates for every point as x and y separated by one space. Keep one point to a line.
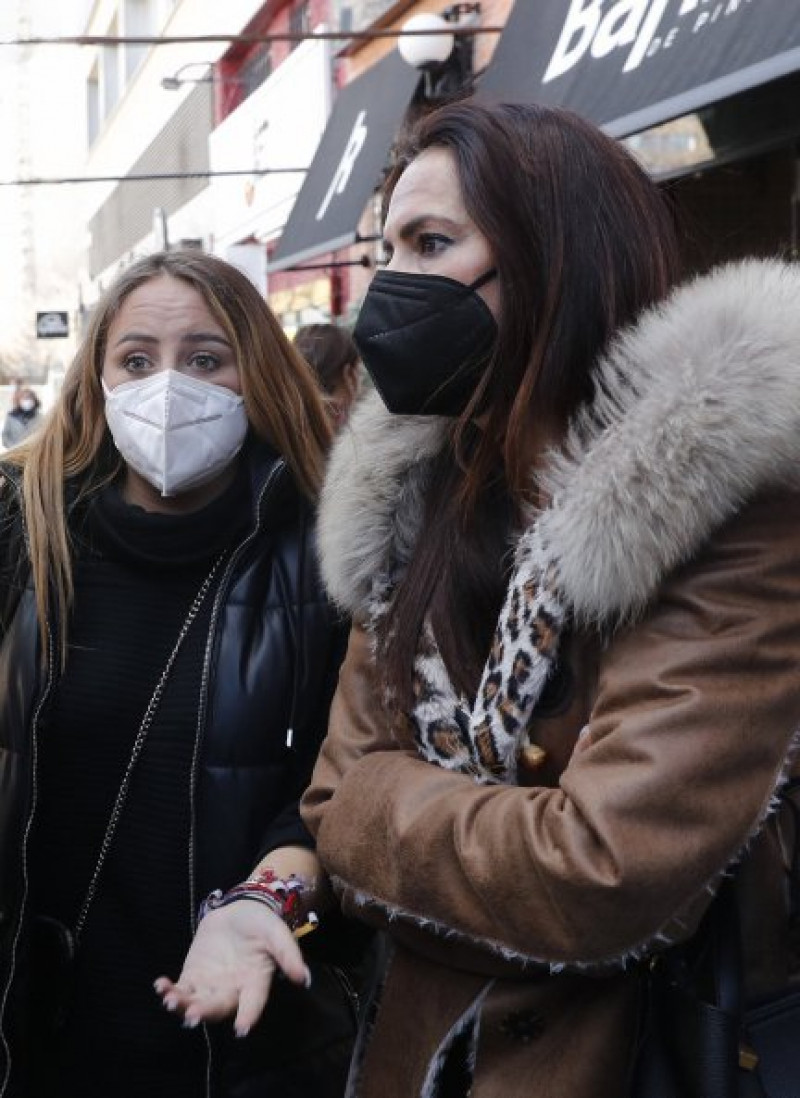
344 169
579 29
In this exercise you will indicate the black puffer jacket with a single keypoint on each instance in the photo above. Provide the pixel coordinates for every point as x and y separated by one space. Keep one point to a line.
272 661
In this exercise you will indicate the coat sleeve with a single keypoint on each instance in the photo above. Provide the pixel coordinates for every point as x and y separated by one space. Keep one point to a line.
13 557
690 732
357 727
9 433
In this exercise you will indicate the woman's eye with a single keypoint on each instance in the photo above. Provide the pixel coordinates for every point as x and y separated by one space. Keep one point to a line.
135 364
432 243
204 362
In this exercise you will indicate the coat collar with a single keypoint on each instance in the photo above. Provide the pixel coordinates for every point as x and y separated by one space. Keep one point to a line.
696 408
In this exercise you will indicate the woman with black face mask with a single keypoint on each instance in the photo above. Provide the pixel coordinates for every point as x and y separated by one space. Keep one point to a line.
566 526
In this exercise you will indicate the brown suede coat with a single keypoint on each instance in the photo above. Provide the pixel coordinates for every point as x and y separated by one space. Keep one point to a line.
520 913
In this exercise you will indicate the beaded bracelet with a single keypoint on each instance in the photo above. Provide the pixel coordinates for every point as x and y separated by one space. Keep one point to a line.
282 895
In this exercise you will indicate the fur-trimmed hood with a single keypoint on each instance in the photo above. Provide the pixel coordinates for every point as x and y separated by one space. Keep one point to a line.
696 408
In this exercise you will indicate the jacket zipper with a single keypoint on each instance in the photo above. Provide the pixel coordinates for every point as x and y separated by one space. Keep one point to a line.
25 881
29 823
274 473
43 699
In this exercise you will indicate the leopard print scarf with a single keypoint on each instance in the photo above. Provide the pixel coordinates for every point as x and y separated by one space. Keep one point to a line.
489 739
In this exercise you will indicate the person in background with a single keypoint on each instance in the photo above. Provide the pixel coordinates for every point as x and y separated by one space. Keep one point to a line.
167 659
567 527
334 357
23 417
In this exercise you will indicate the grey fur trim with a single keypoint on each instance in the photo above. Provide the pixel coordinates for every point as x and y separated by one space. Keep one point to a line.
697 408
372 500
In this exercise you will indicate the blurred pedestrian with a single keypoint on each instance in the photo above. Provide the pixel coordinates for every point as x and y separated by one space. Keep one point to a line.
330 350
567 526
166 666
23 417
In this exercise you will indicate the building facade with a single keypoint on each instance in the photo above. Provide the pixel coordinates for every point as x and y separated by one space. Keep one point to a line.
193 137
276 141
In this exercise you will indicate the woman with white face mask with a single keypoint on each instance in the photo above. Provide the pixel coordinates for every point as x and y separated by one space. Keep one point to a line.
167 659
23 418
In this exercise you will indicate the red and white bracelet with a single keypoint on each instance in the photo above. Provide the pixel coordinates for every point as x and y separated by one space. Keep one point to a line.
282 895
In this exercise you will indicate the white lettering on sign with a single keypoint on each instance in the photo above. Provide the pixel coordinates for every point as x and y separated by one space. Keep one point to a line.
626 23
597 28
646 35
343 172
619 28
582 20
718 12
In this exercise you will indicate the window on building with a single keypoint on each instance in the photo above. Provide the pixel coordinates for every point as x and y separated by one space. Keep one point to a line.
348 14
299 20
139 16
109 64
93 105
254 71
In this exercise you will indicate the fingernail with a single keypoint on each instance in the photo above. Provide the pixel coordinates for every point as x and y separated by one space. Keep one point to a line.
191 1023
308 978
242 1031
170 1004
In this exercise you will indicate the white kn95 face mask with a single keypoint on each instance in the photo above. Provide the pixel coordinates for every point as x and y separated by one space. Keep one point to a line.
178 432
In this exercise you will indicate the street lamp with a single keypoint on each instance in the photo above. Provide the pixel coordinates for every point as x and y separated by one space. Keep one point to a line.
444 58
424 51
172 83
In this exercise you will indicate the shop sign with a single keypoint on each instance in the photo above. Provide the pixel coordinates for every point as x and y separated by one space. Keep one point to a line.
349 162
631 64
52 325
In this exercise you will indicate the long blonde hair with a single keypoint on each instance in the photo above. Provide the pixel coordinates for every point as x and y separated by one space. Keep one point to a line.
281 398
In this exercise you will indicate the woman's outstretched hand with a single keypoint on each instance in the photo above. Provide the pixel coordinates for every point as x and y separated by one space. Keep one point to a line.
231 964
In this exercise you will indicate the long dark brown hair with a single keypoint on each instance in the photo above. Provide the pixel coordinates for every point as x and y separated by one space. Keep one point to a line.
582 241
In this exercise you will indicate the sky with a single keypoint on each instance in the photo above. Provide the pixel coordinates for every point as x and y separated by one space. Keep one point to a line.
42 134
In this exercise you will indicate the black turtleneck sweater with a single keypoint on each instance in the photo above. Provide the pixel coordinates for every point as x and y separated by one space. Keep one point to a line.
136 576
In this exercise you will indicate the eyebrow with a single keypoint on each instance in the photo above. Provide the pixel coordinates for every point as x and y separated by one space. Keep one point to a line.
193 337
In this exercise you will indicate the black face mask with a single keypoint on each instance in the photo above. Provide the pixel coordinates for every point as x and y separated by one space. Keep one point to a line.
425 341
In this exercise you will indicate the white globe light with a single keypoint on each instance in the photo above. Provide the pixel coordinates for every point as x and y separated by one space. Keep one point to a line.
421 50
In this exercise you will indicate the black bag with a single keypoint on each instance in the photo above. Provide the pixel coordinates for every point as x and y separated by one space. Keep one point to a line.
695 1043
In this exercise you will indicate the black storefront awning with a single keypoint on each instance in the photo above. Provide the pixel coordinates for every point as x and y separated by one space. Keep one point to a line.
631 64
348 163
